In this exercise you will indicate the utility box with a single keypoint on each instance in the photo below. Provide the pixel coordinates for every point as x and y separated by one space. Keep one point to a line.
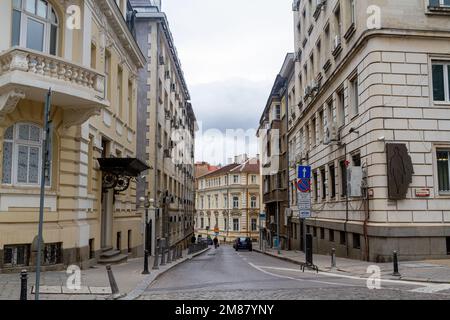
354 182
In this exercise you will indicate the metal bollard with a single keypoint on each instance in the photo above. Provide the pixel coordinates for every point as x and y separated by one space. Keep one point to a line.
333 258
163 257
396 273
169 256
155 261
23 285
112 282
145 263
174 252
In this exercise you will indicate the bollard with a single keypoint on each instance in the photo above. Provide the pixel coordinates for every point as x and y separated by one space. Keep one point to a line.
163 257
155 261
112 283
169 256
396 273
145 263
333 258
174 257
23 285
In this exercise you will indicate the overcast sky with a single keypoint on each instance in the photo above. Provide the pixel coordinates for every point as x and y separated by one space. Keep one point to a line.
231 52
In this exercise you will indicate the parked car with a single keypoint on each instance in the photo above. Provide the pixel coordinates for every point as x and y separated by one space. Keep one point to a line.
243 243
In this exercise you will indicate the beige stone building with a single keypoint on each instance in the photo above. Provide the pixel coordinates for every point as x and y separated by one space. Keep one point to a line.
369 74
228 200
90 60
166 127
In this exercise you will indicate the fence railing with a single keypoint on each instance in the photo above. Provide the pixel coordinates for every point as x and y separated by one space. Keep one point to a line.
196 247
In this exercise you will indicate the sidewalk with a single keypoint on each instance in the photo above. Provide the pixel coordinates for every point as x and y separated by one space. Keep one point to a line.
433 271
94 281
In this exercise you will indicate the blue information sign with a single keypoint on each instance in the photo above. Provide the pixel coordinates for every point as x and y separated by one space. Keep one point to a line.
304 172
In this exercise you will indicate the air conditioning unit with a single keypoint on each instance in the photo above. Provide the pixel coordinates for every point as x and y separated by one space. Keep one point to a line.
336 42
330 134
354 182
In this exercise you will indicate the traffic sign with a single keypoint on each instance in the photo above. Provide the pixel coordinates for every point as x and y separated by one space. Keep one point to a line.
304 172
304 201
303 214
262 216
304 185
216 230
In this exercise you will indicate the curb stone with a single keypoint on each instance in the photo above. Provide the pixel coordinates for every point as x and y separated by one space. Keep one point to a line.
348 272
140 289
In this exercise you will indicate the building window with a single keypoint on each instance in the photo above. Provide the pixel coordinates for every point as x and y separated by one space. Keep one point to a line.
216 197
52 253
235 202
209 202
235 224
254 223
314 232
225 201
324 183
332 181
253 179
340 114
443 167
202 223
316 191
439 3
331 235
277 112
343 168
322 233
441 81
253 202
342 237
354 95
356 241
16 255
235 179
356 158
35 26
22 155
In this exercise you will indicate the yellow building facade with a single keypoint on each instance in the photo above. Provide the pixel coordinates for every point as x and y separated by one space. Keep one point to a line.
85 52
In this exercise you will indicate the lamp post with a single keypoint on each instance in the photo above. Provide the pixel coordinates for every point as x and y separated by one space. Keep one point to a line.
147 204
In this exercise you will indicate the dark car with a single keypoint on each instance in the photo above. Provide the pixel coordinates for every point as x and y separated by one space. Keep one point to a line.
243 243
210 242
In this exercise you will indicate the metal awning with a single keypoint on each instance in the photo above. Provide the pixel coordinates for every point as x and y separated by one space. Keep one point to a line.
118 172
130 167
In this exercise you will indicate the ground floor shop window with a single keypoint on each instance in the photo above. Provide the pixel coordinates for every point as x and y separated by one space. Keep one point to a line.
16 255
356 241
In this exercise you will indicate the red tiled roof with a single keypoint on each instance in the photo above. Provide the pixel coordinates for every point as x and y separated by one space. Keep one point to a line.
222 170
249 166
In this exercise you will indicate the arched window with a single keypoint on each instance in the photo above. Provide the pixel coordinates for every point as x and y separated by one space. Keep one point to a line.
22 155
35 25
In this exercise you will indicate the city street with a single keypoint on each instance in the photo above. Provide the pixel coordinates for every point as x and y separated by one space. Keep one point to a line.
225 274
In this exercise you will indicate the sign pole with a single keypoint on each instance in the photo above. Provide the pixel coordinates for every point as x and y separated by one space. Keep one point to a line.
45 144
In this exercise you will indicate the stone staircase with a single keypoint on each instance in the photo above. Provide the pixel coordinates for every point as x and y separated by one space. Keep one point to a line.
111 256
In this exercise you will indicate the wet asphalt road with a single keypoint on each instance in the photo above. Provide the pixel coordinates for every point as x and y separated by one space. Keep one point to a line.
224 274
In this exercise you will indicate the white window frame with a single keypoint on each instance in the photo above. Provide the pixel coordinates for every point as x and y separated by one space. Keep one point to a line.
235 200
446 65
25 15
253 201
235 179
16 143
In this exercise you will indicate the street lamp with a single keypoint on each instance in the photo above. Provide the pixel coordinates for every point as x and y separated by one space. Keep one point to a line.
147 204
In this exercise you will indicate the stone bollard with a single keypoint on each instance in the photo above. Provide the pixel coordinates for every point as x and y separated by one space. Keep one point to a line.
395 261
23 285
146 263
333 258
112 282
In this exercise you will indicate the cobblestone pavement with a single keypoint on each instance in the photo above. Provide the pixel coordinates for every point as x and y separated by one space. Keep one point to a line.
223 274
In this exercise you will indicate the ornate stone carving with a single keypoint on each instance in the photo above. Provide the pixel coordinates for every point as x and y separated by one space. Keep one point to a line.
9 101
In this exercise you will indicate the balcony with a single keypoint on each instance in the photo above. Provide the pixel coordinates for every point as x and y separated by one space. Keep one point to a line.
277 195
28 74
